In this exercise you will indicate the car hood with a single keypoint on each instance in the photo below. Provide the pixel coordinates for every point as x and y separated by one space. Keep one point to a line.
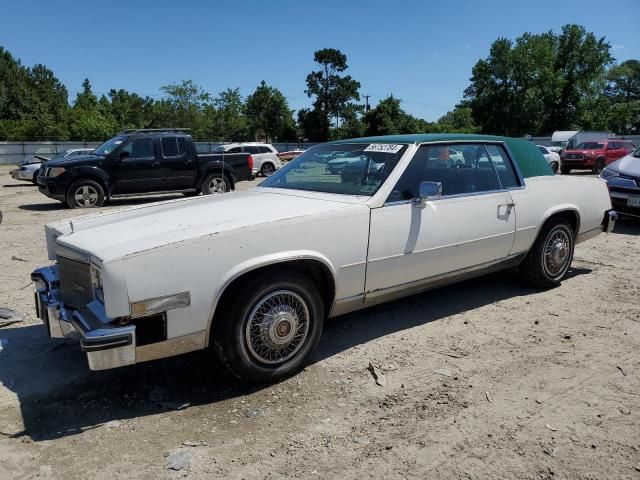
628 165
116 235
76 159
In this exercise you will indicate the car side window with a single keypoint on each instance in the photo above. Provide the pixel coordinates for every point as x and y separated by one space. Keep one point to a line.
173 146
504 167
264 150
251 149
234 150
543 150
469 171
139 148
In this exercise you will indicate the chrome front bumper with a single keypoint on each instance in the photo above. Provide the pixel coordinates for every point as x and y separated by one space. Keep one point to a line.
106 346
609 221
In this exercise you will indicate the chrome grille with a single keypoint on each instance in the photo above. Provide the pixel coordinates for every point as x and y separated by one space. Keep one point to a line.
75 282
573 156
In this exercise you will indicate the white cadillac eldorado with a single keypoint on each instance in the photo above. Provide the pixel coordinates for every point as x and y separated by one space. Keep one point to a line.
254 274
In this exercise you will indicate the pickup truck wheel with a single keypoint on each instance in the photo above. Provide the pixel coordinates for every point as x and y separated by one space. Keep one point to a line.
85 194
267 335
565 170
215 183
550 258
267 169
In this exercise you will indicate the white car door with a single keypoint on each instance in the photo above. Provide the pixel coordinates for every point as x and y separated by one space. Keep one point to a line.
470 226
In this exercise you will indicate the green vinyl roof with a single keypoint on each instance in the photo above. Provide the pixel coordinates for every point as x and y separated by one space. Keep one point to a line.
529 159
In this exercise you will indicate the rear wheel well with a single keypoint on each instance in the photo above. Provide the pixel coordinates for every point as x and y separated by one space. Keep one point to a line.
318 272
571 216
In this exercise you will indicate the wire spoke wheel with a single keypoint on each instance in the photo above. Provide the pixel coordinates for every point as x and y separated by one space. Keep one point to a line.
86 196
277 327
557 252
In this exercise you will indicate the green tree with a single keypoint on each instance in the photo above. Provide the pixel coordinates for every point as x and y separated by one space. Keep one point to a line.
388 118
332 91
580 64
184 105
539 83
459 120
90 118
268 113
314 125
624 81
130 110
230 119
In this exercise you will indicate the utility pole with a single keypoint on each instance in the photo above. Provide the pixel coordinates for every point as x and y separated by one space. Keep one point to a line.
366 103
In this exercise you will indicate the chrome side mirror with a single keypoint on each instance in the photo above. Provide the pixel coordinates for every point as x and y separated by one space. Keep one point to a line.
427 191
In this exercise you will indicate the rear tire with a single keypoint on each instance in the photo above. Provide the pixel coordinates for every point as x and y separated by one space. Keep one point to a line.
266 333
215 183
267 169
34 180
85 194
549 259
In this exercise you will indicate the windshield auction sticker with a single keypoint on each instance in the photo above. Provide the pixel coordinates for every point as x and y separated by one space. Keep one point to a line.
383 147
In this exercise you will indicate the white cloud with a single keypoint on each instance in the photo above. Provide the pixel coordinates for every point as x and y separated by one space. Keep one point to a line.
617 47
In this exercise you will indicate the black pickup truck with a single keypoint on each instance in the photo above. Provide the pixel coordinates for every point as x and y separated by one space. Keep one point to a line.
139 162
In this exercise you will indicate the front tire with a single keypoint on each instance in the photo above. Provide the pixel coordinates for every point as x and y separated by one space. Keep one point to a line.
215 183
599 165
549 259
266 333
565 170
85 194
554 166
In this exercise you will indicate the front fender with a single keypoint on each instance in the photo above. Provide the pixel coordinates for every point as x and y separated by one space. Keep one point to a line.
89 171
262 261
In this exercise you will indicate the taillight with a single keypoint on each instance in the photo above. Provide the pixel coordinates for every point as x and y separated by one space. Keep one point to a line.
250 161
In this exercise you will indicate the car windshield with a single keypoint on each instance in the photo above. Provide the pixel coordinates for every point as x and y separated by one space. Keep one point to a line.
348 169
110 145
590 146
636 152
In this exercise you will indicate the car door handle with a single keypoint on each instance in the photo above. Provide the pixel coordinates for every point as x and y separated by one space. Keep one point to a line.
154 164
504 210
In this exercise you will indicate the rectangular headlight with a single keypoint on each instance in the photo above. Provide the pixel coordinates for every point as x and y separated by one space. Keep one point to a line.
55 171
160 304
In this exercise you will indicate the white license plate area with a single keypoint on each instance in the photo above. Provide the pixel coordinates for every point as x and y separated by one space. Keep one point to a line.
633 201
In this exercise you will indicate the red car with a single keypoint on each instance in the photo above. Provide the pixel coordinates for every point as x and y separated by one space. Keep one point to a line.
595 155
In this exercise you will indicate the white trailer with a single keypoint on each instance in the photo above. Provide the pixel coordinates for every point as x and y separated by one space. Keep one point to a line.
571 138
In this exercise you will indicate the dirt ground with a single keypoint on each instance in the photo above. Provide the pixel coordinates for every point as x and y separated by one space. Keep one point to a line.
484 379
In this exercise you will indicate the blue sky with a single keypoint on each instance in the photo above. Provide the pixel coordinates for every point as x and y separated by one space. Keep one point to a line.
420 51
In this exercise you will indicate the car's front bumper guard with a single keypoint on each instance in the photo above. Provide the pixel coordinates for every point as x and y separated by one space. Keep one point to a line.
609 221
106 346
